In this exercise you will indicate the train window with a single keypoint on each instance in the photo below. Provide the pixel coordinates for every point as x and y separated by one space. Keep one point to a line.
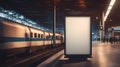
50 36
38 35
35 35
47 36
57 37
42 36
26 35
31 34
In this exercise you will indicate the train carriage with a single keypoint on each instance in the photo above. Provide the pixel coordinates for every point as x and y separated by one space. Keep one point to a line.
13 38
58 38
36 39
48 39
17 38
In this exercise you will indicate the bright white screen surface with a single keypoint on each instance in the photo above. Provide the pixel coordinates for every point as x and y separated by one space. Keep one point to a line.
77 35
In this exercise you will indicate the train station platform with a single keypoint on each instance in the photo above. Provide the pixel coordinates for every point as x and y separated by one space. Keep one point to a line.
103 55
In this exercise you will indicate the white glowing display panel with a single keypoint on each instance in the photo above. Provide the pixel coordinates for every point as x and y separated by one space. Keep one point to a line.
77 34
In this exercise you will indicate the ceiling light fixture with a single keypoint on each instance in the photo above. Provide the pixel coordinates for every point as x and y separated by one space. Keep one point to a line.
112 2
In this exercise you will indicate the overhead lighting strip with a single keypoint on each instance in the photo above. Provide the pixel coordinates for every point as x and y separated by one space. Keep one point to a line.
112 2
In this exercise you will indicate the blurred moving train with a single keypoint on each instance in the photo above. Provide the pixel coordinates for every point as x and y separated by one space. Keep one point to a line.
16 38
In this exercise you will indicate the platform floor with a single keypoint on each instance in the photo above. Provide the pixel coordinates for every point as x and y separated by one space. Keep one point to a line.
103 55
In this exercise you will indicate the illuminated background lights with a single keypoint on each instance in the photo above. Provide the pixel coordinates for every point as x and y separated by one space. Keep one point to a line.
112 2
13 16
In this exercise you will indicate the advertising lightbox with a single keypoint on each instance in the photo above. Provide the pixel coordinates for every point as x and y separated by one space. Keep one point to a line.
78 36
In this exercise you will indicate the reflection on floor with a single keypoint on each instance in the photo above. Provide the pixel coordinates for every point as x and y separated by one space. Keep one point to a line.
103 55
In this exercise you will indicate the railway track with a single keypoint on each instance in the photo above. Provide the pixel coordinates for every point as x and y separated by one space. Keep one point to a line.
31 60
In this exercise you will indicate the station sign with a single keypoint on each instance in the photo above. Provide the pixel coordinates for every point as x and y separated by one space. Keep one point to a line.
116 28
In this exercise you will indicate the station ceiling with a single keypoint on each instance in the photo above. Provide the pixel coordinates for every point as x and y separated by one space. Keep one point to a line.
41 11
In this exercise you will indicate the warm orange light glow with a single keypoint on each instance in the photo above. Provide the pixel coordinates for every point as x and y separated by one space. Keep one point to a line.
56 2
82 3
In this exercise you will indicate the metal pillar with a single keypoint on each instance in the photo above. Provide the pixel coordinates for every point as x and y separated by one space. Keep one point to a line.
103 22
102 32
54 26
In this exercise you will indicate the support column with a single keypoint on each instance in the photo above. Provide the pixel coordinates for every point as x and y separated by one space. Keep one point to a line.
100 32
103 22
103 27
54 26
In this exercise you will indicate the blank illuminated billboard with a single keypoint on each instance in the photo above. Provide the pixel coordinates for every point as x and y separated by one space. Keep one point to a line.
77 35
